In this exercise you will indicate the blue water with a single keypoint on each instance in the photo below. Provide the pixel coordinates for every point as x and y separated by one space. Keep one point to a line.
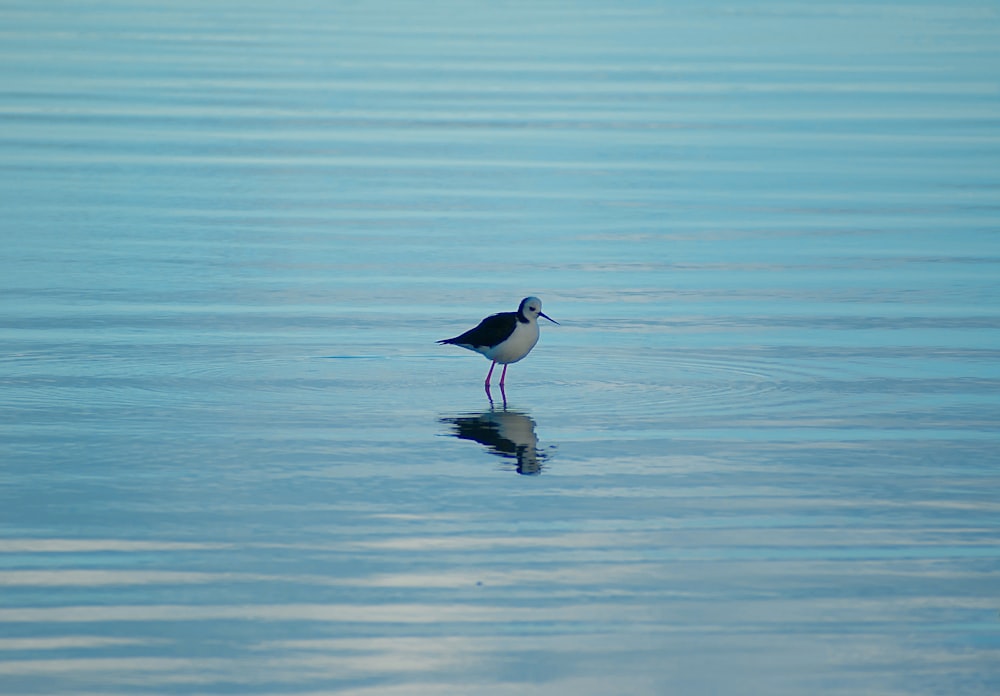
758 455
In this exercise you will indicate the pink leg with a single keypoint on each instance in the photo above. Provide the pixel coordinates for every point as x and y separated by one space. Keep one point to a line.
490 374
503 376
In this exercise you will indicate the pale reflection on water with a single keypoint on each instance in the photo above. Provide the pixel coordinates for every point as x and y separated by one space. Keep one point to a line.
505 433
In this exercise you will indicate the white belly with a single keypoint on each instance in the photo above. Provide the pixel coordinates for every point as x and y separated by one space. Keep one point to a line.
519 344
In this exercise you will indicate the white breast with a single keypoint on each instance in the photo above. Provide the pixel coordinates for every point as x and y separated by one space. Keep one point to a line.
519 344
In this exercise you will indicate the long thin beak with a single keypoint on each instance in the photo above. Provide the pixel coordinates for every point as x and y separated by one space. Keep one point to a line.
543 314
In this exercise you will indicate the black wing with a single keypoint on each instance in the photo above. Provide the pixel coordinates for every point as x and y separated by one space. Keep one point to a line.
492 330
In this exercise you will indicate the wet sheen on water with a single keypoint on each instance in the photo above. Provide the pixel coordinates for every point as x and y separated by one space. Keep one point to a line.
759 454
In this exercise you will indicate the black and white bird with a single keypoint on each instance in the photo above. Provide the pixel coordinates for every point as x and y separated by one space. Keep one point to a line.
506 337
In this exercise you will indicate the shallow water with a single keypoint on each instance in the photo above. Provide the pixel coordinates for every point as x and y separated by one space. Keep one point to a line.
760 451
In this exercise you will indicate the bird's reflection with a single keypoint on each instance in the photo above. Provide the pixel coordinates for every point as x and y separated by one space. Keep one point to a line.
507 434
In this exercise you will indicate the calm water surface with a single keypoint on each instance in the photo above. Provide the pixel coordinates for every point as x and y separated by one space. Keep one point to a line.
759 455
